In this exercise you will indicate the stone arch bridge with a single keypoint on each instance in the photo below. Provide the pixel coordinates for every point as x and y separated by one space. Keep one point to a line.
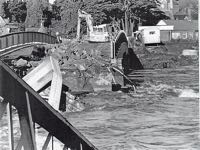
123 54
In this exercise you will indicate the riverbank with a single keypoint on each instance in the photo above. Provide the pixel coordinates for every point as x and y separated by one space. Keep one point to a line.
167 55
84 63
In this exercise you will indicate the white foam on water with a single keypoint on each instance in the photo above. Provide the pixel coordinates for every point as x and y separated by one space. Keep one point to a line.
188 93
41 138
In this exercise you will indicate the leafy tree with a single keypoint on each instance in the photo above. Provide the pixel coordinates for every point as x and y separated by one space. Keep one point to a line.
1 8
34 13
18 11
107 11
6 10
56 10
15 11
68 15
144 11
47 14
193 5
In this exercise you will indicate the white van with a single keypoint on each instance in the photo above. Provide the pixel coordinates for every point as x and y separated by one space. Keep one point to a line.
151 35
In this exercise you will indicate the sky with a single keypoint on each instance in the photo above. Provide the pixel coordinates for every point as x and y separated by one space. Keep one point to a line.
51 1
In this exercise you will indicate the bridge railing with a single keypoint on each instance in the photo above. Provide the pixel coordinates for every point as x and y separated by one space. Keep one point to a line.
18 38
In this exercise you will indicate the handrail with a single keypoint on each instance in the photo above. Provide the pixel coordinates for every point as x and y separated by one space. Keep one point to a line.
13 39
25 32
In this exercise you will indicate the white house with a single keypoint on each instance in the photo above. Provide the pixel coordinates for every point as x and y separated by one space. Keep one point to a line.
182 29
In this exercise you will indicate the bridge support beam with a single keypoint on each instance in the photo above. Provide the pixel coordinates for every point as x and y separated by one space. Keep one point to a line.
3 105
26 126
10 127
46 143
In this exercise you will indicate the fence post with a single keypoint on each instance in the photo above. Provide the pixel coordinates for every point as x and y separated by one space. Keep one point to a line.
12 40
18 39
6 41
0 44
23 37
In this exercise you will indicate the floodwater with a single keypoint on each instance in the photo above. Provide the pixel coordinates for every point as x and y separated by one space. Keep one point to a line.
163 114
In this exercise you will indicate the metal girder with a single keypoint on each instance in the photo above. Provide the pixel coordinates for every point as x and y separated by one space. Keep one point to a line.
10 127
13 88
44 147
25 126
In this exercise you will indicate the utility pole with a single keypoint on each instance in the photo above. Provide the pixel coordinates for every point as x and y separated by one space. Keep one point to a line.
1 7
171 7
126 17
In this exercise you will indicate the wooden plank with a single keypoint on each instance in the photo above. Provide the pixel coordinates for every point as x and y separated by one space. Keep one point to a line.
40 76
42 112
55 92
56 85
10 127
46 143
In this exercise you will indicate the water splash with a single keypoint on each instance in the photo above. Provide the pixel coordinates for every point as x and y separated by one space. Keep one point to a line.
188 93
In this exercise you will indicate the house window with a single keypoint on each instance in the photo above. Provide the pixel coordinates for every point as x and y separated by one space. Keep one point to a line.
94 29
184 35
152 32
175 35
190 35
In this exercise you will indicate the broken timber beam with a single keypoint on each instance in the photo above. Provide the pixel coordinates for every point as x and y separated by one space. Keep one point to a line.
47 71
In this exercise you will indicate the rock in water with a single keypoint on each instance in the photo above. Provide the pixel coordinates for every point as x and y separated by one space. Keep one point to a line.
103 82
189 52
21 63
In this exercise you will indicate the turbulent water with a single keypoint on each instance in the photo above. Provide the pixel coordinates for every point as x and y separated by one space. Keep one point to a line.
163 114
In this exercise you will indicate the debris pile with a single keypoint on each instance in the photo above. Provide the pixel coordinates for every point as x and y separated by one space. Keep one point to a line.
164 56
82 64
83 67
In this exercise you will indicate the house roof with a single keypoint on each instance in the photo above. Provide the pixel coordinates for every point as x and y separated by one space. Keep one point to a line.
12 25
179 13
181 24
32 29
2 21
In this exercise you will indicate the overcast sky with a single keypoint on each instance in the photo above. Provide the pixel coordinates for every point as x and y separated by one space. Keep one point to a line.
51 1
